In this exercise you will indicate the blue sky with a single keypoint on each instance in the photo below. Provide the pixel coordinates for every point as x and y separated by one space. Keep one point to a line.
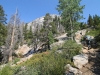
32 9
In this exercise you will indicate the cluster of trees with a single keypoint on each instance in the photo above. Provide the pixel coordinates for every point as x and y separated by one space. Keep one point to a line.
51 27
3 29
14 37
94 21
17 33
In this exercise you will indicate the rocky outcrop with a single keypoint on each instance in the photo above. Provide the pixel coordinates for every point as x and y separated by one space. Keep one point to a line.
80 60
79 34
72 69
61 39
38 22
22 50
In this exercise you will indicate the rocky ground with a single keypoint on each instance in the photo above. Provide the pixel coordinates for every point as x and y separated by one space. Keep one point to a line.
24 49
93 66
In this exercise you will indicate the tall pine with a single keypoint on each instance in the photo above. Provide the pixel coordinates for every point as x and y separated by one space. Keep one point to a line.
3 28
90 21
70 11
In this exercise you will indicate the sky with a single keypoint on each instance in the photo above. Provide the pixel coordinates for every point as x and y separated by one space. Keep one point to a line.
29 10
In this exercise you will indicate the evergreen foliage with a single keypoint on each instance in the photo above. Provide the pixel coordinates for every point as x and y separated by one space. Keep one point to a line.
94 28
28 34
90 21
25 32
3 28
50 37
93 21
47 30
2 15
3 34
47 63
70 11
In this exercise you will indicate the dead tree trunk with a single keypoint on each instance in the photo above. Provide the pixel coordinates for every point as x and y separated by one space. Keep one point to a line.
12 40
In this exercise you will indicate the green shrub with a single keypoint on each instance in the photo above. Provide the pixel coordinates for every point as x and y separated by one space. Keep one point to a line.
25 70
43 64
16 60
93 32
52 65
70 49
7 70
50 62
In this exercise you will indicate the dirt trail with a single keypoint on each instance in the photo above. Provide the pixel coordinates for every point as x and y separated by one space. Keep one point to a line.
88 69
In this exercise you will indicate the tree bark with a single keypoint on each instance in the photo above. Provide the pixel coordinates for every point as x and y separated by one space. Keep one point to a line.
12 40
72 37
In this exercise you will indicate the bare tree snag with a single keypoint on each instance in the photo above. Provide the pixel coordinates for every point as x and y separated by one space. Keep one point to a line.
12 38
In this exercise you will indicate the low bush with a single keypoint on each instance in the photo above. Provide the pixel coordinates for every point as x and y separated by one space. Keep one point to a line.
47 63
93 32
16 60
71 48
7 70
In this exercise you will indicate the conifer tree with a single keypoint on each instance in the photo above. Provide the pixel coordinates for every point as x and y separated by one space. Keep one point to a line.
3 28
2 15
90 21
25 32
70 11
96 19
46 29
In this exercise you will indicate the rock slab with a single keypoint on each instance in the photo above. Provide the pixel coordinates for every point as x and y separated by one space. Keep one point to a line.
80 60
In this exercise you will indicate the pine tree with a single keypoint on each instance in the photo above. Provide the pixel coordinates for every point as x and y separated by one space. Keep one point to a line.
50 37
46 28
3 34
90 21
30 33
25 32
96 19
54 28
56 24
3 28
70 11
2 15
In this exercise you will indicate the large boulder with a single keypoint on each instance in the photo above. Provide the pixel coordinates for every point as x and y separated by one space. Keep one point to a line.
72 69
22 50
79 34
80 60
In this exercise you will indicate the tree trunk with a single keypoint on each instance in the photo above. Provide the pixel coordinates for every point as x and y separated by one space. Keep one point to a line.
12 40
72 37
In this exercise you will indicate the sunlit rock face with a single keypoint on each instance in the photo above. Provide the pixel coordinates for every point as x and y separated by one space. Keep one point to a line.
38 23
